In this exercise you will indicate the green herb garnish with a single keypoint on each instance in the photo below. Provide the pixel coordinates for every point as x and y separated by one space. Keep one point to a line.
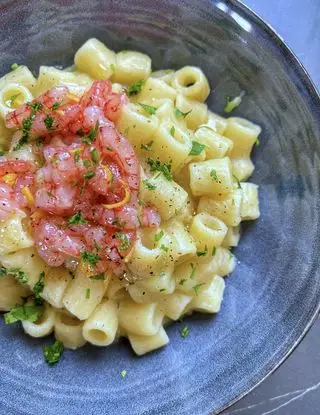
18 274
164 248
123 373
92 134
55 106
232 103
89 257
237 180
14 66
23 313
158 236
165 169
146 147
53 352
197 148
89 175
213 175
125 242
95 156
193 271
48 121
182 281
197 287
38 288
135 88
179 113
172 130
97 277
184 332
77 219
214 250
149 185
149 108
87 293
204 252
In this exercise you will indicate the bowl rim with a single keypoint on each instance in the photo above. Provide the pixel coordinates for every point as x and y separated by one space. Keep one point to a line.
313 92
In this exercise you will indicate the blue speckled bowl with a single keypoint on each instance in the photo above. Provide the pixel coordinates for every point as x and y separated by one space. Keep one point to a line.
273 296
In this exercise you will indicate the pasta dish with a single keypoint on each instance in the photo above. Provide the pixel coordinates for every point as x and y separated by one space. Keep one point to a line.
121 197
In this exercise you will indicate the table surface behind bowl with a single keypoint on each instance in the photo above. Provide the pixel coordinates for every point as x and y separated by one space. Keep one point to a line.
295 387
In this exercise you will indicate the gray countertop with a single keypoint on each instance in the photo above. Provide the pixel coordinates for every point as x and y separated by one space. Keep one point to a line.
294 389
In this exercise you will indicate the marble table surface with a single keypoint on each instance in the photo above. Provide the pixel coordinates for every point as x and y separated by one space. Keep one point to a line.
294 389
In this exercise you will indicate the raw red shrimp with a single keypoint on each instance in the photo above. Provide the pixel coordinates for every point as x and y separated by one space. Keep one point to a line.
16 177
54 244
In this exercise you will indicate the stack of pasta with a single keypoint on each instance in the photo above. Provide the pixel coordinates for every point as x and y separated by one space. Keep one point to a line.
194 166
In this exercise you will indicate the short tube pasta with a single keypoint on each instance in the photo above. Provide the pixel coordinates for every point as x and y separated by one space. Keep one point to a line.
210 297
101 327
95 59
211 177
13 234
196 113
68 330
43 326
140 319
191 82
207 231
131 67
145 344
12 95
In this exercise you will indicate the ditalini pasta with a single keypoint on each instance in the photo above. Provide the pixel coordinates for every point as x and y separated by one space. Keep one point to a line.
121 197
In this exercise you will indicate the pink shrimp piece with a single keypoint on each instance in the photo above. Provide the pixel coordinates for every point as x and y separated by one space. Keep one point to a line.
150 218
54 244
112 106
97 94
16 166
15 118
8 202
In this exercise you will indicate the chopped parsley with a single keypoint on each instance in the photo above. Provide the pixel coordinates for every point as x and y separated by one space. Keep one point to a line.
23 313
76 156
125 242
257 143
116 222
232 103
39 142
48 121
214 250
158 236
18 274
193 271
172 130
113 68
237 180
14 66
87 163
92 134
135 88
162 290
87 293
165 169
27 124
97 277
149 108
182 281
204 252
123 373
149 185
95 156
197 287
3 272
53 352
38 288
230 255
213 175
184 332
55 106
89 257
197 148
164 248
77 219
179 113
89 175
146 147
